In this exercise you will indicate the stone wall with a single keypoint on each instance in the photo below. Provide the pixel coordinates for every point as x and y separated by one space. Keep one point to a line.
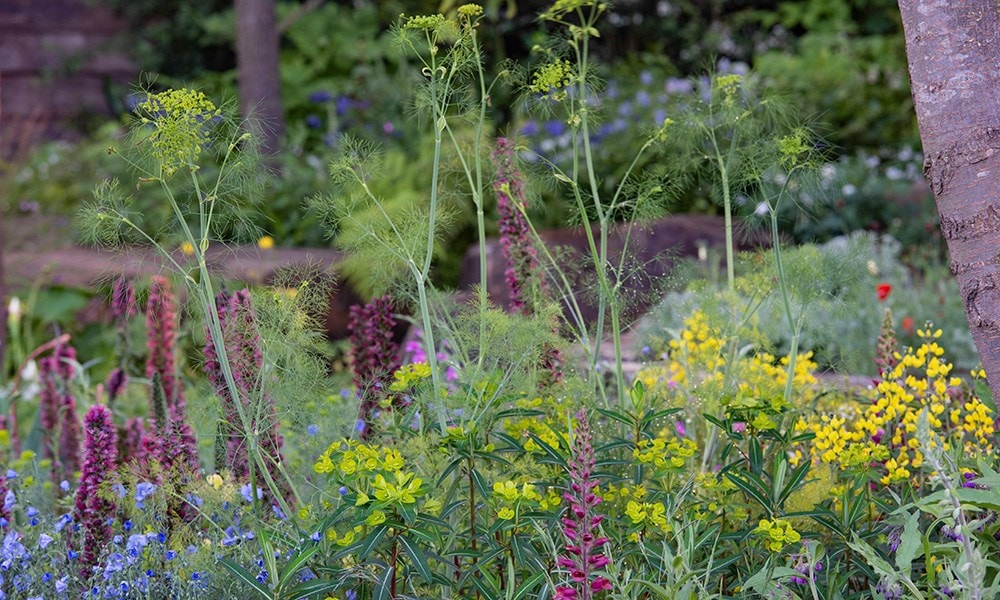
57 64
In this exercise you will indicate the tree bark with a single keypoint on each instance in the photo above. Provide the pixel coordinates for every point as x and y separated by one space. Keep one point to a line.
953 49
257 69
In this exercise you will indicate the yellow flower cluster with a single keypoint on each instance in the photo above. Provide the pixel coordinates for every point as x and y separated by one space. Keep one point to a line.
181 120
664 454
696 357
409 375
545 420
714 493
372 471
510 497
623 493
647 514
552 79
776 534
764 370
424 22
886 431
470 10
697 367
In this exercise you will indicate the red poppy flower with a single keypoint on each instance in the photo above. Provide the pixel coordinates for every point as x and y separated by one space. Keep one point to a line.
908 324
882 290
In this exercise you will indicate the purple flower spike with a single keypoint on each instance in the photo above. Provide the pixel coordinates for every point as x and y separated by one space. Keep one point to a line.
246 362
123 304
4 509
375 355
57 413
161 325
95 509
515 242
583 556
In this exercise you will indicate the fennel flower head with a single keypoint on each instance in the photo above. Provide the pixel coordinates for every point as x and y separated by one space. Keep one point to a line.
181 121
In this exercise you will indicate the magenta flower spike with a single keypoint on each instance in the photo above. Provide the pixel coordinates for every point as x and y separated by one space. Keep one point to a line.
583 556
161 332
94 507
5 516
374 353
519 252
69 437
57 413
180 442
115 384
48 405
123 306
177 449
246 361
886 347
131 443
515 243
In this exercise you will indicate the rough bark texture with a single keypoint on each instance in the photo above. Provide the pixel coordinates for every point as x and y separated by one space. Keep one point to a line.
953 50
257 67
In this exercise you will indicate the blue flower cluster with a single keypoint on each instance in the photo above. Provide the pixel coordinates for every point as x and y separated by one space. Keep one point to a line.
335 115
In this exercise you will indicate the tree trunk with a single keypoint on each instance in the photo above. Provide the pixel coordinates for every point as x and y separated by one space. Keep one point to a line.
257 68
953 49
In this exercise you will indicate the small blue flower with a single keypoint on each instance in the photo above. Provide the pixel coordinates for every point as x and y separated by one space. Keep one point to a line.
127 525
116 562
72 555
529 129
31 511
170 555
313 121
9 500
195 576
44 541
63 521
62 584
119 490
555 128
247 492
344 104
343 490
277 512
47 577
64 485
646 78
11 474
192 549
320 96
142 491
312 430
161 537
